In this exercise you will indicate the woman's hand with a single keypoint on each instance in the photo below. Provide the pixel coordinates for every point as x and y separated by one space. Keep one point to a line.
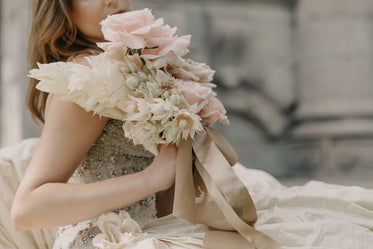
162 171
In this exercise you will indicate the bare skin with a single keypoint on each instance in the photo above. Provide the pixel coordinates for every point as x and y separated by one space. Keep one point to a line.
87 15
44 199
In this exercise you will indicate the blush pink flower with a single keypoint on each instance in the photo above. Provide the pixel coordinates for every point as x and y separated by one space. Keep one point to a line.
128 27
140 30
191 70
212 112
195 93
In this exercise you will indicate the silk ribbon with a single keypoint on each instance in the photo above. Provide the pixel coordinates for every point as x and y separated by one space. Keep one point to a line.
214 195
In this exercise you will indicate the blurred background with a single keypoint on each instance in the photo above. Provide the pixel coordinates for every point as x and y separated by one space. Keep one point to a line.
295 76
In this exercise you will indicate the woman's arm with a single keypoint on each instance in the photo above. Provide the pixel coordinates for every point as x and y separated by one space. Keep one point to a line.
43 199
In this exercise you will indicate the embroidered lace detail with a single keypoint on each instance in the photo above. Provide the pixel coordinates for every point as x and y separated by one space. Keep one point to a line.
112 155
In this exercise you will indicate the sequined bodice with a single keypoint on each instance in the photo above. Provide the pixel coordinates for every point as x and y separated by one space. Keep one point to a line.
112 155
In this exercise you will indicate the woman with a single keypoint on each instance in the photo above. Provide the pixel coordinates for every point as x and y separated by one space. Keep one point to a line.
64 30
107 172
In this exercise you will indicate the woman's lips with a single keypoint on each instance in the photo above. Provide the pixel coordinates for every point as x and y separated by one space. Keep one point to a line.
118 12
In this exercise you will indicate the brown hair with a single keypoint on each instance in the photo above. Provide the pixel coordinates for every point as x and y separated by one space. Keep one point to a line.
53 37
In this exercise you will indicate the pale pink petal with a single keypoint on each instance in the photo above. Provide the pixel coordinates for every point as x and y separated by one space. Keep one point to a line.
140 29
213 111
131 41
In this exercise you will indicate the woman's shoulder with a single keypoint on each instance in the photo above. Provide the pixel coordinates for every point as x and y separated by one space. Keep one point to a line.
64 115
78 58
63 111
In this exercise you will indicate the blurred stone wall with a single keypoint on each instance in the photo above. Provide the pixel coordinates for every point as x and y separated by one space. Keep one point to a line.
332 127
295 77
14 15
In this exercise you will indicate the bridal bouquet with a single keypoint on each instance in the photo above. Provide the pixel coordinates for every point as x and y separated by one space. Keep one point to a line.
142 79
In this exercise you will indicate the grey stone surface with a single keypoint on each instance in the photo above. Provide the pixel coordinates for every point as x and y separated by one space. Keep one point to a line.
328 156
13 67
254 149
333 135
255 107
335 58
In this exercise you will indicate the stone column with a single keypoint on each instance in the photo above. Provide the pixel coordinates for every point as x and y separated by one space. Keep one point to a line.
16 122
334 124
334 70
13 66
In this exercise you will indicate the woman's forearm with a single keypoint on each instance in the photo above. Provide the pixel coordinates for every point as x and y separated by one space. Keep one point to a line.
58 204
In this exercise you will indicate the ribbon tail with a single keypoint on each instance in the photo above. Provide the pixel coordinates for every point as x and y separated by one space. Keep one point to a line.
217 166
223 145
253 236
226 190
184 198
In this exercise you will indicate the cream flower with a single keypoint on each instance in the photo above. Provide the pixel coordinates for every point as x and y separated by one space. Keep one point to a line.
97 86
138 110
118 231
154 83
172 133
175 97
185 123
165 80
53 76
152 89
132 82
129 64
101 82
145 133
163 110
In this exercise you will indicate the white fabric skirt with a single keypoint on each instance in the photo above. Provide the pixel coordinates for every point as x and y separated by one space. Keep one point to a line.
317 215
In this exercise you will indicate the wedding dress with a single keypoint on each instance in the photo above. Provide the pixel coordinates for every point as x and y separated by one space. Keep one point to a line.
314 216
112 155
13 164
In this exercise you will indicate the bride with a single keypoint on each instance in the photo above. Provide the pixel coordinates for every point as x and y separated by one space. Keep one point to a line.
110 172
82 167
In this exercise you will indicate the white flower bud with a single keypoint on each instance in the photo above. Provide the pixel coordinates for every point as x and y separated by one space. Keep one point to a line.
132 82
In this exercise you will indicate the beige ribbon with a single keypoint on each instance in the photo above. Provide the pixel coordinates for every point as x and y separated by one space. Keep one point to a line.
223 202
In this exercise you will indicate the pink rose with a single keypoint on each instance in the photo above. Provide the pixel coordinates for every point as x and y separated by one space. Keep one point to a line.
191 70
123 27
195 93
213 111
166 51
140 30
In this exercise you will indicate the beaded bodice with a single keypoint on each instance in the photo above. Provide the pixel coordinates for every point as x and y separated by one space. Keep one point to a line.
112 155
